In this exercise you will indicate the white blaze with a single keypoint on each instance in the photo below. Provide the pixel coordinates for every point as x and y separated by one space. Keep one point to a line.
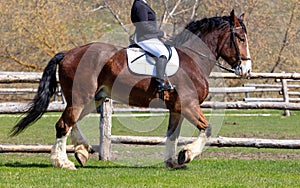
246 65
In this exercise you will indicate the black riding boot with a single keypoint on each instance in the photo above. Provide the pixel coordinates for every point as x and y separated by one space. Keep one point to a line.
160 72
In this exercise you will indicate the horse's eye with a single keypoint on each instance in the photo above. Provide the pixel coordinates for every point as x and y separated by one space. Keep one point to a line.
242 40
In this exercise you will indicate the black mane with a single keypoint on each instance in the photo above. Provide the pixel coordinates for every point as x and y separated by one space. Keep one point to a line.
202 27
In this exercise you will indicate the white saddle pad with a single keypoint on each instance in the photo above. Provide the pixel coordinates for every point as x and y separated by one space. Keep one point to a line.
141 63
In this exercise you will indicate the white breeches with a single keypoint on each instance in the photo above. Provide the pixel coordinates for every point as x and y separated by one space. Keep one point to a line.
155 47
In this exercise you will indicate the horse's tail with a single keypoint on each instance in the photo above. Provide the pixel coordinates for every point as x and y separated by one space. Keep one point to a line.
39 105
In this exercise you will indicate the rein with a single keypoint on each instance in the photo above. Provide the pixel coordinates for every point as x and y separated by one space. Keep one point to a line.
216 62
235 68
238 54
225 68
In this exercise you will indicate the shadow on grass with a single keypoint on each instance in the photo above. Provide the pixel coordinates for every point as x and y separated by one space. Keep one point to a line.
102 165
119 167
111 165
25 165
40 165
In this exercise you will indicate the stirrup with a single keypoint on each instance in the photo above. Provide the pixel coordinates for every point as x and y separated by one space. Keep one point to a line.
163 87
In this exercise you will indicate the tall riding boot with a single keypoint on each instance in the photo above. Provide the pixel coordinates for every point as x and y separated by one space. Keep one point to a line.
160 72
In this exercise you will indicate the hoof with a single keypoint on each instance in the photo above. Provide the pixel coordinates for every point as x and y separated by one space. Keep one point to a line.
183 157
82 154
174 165
81 159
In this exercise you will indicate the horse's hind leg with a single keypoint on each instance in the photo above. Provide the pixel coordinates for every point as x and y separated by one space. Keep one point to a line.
63 127
195 115
82 148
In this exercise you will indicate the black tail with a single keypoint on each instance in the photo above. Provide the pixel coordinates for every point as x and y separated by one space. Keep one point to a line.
47 88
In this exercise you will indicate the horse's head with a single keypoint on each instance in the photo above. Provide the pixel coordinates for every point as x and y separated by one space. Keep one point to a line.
225 37
235 49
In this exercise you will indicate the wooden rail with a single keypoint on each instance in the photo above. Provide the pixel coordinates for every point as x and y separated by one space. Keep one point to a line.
15 107
216 142
286 102
108 139
34 77
294 76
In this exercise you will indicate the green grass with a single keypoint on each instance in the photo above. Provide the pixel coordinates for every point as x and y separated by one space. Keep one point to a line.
217 167
35 171
275 126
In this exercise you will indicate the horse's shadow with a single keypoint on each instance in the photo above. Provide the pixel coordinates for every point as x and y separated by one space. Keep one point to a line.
25 165
110 166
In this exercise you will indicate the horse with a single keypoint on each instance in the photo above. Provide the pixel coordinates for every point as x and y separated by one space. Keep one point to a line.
91 73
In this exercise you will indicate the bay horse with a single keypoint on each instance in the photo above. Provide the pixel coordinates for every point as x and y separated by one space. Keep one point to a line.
90 73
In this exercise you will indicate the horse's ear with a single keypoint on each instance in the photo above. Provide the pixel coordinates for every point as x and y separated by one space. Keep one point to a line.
232 13
232 17
242 16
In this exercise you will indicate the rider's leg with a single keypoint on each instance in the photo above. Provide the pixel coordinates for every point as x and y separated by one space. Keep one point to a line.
155 47
158 49
160 73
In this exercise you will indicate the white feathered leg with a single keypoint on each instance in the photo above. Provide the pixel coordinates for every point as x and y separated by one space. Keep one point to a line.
190 151
59 156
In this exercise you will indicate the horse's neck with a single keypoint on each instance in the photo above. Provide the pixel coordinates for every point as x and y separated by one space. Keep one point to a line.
205 51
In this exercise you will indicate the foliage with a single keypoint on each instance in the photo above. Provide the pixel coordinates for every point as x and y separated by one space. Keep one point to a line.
32 31
35 30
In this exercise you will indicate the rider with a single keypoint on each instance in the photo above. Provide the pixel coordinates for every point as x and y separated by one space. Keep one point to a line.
148 36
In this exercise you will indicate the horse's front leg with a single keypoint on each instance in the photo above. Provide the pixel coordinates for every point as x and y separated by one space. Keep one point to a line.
175 121
195 115
190 151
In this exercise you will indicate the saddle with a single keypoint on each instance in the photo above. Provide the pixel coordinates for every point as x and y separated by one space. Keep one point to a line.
143 63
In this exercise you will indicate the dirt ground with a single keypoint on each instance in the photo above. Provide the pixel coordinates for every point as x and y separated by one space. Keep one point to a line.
254 155
156 153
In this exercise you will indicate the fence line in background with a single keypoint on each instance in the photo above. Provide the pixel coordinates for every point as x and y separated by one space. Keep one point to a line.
107 139
286 102
216 142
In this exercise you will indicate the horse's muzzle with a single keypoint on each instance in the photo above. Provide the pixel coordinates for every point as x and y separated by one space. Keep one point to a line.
244 69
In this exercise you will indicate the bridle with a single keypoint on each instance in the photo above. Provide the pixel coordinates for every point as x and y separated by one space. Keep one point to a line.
237 65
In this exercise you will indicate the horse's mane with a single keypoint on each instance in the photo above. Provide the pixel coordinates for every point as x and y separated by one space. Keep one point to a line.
201 28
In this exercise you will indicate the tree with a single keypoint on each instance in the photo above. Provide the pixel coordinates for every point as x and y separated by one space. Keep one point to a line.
33 31
36 30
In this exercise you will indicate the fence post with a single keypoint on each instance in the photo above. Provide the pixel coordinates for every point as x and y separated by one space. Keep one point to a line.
105 130
285 95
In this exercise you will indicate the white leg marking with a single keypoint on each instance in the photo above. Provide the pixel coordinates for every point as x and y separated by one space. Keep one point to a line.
194 149
59 156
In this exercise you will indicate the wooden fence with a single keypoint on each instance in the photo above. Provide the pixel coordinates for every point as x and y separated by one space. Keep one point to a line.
287 100
285 82
106 139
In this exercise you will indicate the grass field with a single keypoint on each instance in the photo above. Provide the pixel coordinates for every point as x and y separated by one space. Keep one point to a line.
36 171
217 167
